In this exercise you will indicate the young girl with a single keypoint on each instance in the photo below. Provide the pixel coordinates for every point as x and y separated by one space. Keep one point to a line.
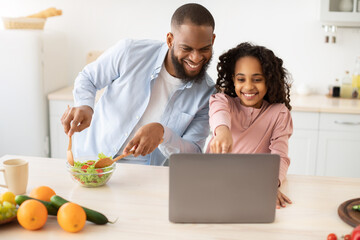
250 113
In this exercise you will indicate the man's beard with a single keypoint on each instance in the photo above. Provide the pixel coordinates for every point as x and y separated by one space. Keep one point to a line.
180 71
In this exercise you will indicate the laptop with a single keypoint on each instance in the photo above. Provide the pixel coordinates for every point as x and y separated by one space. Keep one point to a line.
223 188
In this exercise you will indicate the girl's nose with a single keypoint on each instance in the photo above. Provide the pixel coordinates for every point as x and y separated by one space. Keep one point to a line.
248 85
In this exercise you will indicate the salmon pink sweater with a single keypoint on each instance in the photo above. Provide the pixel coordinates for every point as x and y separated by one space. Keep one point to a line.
263 130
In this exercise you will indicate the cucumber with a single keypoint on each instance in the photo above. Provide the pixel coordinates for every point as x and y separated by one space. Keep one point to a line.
91 215
52 210
356 207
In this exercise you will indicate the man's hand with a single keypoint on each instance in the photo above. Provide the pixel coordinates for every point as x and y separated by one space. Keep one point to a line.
76 119
146 139
222 142
281 200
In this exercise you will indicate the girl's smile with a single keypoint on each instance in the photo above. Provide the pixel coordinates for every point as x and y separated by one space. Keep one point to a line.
249 82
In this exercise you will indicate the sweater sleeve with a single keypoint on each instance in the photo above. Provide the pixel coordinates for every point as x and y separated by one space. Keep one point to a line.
279 141
219 112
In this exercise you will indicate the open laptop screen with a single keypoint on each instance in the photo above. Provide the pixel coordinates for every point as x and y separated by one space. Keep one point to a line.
223 188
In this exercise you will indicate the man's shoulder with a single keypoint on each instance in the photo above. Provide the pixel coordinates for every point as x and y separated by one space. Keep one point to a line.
208 81
141 43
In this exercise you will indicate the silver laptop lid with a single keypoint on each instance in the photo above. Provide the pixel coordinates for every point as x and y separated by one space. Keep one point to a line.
223 188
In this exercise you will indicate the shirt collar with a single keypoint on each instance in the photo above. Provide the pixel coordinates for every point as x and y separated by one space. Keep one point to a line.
161 58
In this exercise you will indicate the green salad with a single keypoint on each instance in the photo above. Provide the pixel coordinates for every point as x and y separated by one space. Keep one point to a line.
86 174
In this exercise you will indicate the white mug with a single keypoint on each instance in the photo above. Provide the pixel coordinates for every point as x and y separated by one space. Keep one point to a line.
16 173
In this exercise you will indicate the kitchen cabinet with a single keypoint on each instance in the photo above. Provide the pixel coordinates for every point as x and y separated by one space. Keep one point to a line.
325 144
339 145
303 143
342 13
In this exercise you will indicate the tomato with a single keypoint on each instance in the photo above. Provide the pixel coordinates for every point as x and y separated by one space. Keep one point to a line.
347 237
84 167
355 235
332 236
100 171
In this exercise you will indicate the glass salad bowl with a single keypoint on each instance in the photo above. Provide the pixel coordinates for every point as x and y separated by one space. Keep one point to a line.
84 172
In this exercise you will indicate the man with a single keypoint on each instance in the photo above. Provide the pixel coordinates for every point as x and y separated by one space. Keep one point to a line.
157 93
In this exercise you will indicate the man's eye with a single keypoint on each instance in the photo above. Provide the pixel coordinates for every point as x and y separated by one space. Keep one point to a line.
205 49
186 49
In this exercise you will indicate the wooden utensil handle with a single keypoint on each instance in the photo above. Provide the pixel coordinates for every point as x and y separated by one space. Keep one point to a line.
129 153
123 155
70 144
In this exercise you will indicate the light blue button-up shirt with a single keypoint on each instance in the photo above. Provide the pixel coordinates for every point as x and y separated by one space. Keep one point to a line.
129 70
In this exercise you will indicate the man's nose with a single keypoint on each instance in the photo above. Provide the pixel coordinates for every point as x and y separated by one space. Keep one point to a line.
195 56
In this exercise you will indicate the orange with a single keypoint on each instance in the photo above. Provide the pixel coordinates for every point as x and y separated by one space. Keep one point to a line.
71 217
43 193
32 214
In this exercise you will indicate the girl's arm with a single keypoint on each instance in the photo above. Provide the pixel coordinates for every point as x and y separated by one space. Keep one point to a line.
222 141
220 124
280 138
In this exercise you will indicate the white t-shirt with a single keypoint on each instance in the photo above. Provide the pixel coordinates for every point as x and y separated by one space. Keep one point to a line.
164 86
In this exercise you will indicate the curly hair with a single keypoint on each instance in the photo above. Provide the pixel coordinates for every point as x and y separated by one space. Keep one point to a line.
277 78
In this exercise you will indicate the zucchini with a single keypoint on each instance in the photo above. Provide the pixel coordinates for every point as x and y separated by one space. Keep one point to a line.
52 210
91 215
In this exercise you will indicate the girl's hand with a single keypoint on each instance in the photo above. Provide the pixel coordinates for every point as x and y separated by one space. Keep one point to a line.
222 142
281 200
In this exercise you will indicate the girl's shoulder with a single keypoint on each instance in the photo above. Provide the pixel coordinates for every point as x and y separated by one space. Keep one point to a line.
279 112
223 100
278 108
222 97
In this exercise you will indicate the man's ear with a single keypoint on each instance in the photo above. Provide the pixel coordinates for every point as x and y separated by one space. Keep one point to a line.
169 39
213 39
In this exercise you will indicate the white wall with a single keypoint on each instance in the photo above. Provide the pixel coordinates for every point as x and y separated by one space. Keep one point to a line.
291 28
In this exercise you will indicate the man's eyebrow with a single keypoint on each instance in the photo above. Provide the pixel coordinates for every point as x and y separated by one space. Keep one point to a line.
186 46
208 46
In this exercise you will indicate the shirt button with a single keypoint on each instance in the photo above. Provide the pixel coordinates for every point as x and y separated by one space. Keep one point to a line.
137 117
126 134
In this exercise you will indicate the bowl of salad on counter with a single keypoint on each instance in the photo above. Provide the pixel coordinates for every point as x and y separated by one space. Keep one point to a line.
84 172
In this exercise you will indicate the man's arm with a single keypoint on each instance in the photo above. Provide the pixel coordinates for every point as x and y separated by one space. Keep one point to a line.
94 77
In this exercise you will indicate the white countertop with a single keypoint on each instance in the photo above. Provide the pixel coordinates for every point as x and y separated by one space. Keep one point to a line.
300 103
138 196
323 103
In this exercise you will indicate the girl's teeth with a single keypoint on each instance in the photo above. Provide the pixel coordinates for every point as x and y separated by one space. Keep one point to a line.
249 95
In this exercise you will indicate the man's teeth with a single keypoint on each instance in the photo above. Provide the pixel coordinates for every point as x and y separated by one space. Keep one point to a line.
193 66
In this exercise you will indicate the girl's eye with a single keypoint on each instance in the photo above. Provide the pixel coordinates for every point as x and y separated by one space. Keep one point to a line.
241 80
258 80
